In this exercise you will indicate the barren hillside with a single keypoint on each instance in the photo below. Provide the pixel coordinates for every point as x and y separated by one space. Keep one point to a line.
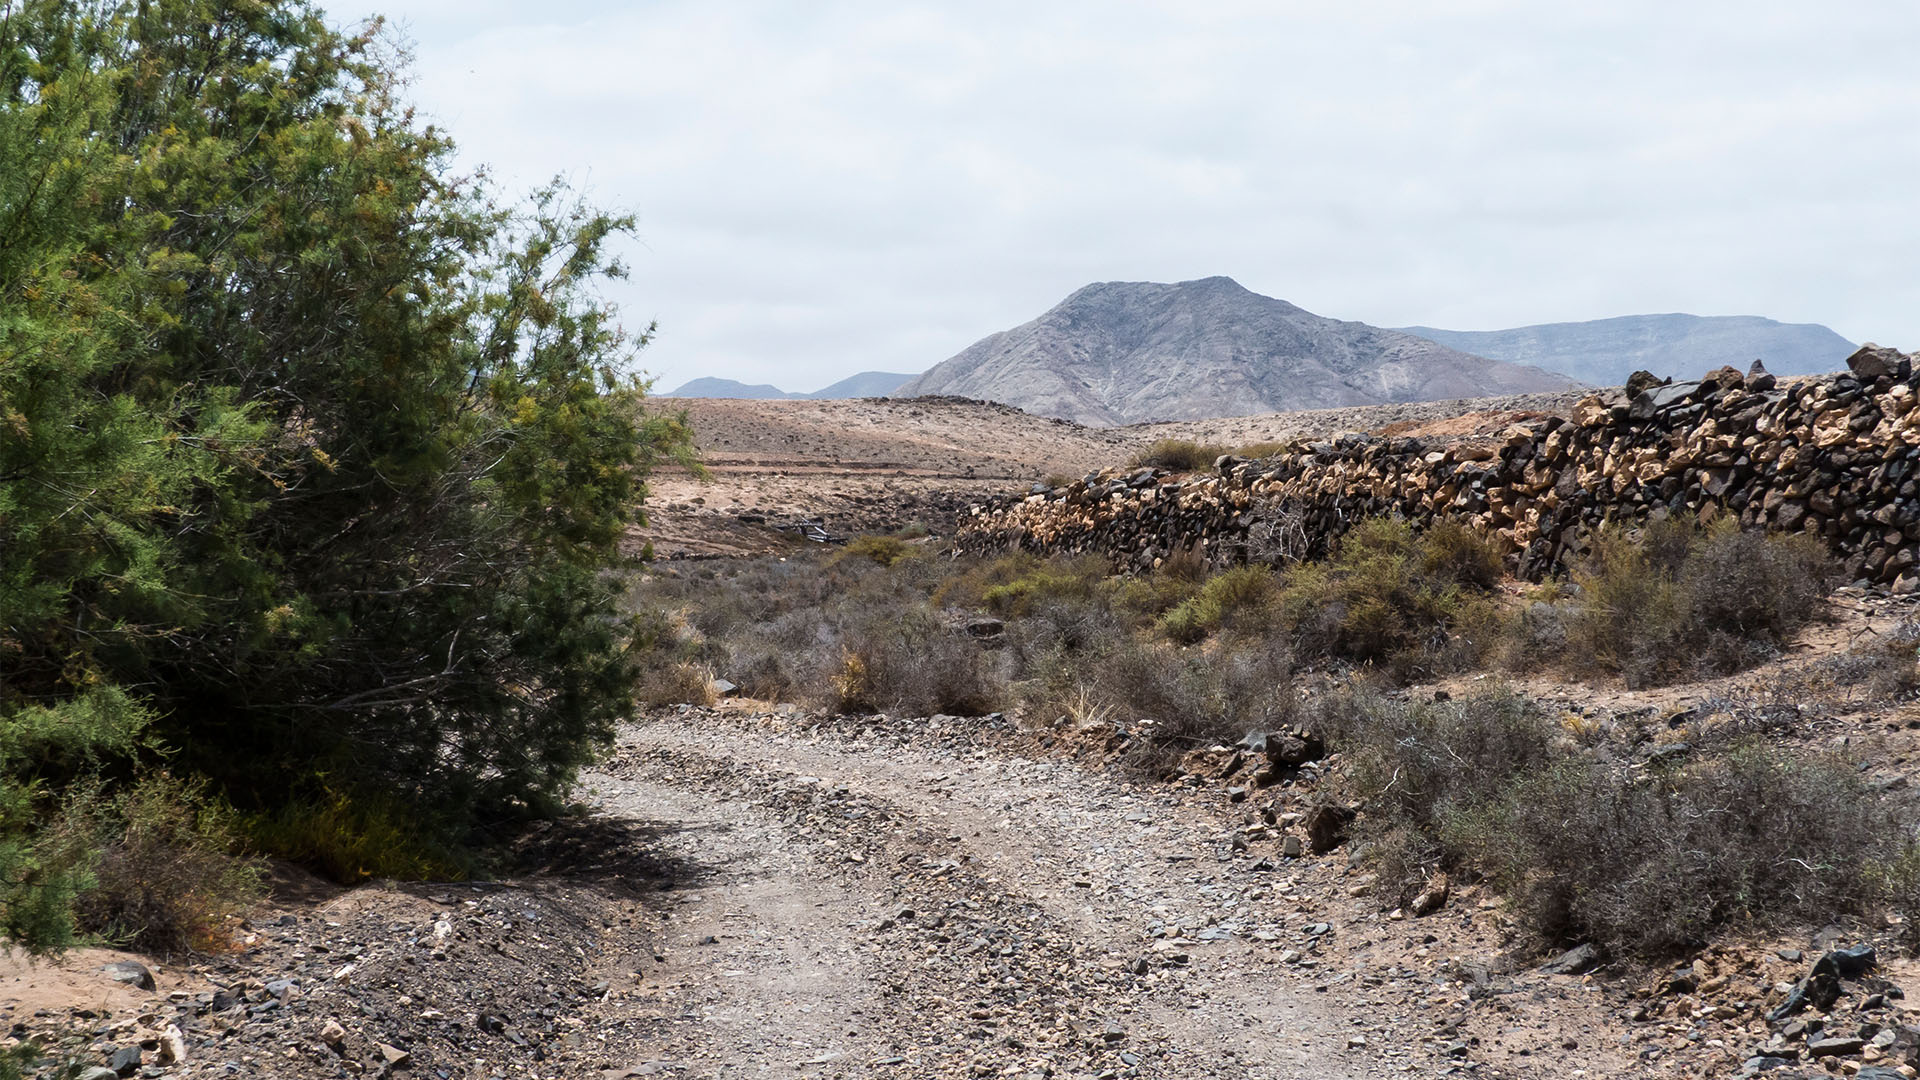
880 464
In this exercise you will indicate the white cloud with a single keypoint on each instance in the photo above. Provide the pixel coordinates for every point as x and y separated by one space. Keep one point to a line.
832 187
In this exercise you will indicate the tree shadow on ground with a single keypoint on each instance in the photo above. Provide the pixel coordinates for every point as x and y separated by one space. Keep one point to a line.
621 856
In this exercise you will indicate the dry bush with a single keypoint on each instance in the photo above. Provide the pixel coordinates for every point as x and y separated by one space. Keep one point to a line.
166 880
910 664
1179 455
1258 450
1643 860
883 550
1180 699
1655 864
1676 601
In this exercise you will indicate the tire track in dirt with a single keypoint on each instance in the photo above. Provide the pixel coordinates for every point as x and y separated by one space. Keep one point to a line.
896 910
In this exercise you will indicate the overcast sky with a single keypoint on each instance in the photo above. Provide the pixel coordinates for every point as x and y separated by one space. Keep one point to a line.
825 188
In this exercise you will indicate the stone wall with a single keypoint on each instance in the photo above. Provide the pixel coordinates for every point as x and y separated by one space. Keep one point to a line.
1837 456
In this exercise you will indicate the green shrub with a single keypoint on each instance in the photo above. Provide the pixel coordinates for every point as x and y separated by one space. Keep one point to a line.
884 550
313 448
1178 455
1415 603
1056 580
354 838
1242 597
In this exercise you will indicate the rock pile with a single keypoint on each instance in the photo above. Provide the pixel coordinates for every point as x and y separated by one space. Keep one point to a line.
1835 457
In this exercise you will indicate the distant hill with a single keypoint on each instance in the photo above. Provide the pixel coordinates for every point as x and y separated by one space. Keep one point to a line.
1124 352
865 384
1605 351
727 388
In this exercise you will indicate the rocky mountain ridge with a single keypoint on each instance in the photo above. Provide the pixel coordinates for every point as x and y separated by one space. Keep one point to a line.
1126 352
1604 352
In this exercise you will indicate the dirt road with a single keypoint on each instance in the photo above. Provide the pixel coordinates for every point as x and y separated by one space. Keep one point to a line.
884 905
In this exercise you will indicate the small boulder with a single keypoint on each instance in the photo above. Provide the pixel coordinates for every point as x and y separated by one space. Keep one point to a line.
131 972
985 627
1835 1046
1575 961
1327 826
1641 381
1848 963
1726 378
1872 361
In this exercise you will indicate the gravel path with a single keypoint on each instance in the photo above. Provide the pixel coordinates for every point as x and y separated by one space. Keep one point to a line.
878 907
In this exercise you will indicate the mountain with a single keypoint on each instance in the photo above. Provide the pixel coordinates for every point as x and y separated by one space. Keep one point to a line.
1123 352
865 384
726 388
1604 352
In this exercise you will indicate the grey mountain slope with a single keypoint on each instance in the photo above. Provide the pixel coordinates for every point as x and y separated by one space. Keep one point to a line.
1125 352
1605 351
710 387
865 384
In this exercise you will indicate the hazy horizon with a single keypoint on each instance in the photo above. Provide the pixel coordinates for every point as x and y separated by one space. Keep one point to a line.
855 187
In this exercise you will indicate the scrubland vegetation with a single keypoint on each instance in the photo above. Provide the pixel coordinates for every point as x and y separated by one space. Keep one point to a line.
1645 841
314 456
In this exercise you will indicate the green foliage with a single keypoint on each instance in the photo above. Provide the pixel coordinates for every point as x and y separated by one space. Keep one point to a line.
1061 579
1241 597
1416 602
884 550
352 838
313 456
1179 455
1676 599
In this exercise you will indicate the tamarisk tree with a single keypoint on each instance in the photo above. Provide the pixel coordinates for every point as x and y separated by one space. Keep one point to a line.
314 456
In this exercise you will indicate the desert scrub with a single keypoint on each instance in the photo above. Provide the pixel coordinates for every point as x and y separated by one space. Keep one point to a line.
1674 600
884 550
165 879
1179 455
910 663
1646 859
353 838
1240 598
1056 579
1416 604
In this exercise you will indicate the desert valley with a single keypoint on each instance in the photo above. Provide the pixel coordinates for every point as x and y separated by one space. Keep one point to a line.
445 634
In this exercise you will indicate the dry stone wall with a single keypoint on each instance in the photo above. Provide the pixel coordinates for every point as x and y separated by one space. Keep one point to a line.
1837 457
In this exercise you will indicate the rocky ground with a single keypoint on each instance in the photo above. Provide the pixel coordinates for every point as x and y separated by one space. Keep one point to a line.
759 892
